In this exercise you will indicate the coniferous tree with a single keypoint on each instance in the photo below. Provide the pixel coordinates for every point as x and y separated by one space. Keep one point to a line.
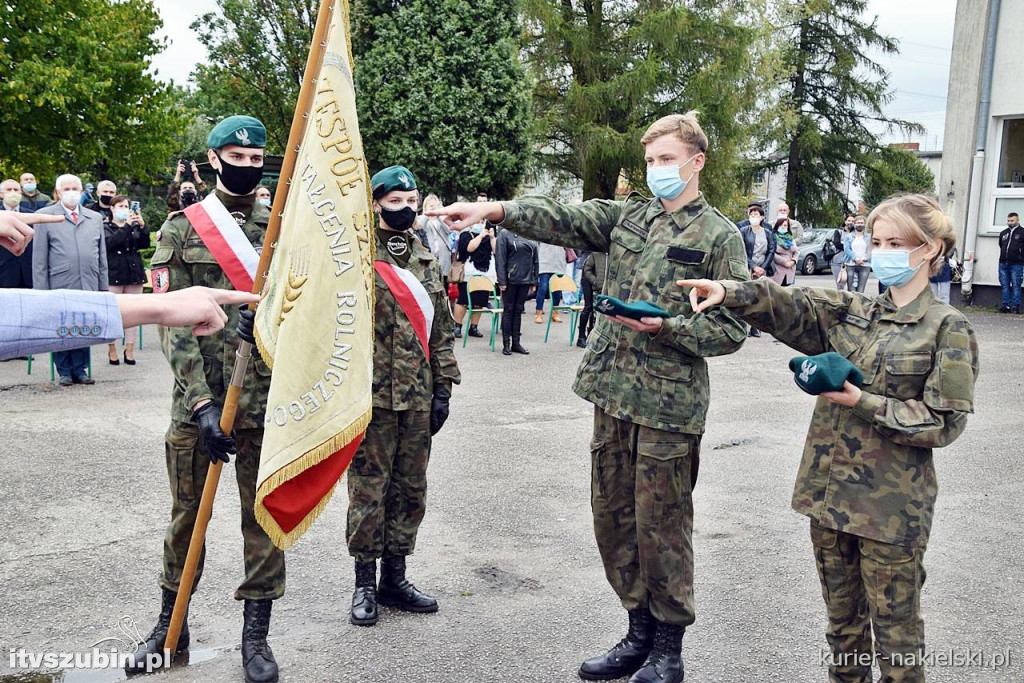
829 95
606 70
440 90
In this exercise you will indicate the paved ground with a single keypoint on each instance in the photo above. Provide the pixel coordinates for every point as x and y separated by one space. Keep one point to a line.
507 544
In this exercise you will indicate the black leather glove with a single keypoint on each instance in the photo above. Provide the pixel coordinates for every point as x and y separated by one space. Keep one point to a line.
246 323
218 445
439 408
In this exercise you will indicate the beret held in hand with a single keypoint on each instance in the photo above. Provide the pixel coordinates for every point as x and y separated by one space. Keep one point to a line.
824 372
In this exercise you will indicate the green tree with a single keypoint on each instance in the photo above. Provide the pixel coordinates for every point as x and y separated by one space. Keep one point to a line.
440 90
895 171
76 93
833 91
258 51
606 70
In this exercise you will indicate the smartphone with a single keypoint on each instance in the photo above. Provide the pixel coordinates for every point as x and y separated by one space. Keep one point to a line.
135 207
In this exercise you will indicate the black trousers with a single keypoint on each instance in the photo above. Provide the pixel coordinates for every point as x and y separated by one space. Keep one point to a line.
513 300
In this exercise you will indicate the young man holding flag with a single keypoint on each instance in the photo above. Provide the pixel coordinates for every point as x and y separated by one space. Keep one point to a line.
414 369
214 243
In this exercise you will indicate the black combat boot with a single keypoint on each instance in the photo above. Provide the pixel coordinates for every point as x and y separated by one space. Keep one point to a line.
626 657
581 341
506 346
147 657
665 663
364 599
475 332
396 591
257 657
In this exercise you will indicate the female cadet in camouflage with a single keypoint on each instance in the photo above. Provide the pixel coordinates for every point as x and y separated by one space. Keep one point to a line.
413 371
867 480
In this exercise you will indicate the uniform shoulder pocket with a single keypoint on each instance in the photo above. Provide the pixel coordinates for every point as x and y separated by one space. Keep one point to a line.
162 256
628 239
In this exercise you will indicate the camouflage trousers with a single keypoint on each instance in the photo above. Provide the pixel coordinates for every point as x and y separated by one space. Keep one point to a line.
387 484
187 465
868 583
642 500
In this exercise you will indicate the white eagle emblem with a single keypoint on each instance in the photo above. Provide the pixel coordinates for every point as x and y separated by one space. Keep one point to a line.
405 179
807 369
243 136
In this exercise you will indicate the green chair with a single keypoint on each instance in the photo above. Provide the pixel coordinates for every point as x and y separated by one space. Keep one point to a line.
481 283
562 283
53 367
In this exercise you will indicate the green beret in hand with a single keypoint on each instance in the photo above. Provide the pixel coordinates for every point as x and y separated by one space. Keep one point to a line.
824 372
609 305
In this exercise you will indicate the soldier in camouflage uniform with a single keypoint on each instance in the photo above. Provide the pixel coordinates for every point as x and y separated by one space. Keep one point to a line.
648 381
867 479
202 369
414 369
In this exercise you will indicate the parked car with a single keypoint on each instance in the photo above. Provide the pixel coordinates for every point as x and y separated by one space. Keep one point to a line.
810 260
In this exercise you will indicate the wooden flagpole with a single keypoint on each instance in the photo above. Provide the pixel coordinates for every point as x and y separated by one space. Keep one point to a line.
307 93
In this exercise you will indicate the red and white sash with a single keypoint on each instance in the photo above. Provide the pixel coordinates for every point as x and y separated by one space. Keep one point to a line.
226 240
412 298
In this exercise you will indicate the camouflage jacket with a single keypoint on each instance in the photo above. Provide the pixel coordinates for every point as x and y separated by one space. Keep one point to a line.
661 380
868 470
402 378
202 365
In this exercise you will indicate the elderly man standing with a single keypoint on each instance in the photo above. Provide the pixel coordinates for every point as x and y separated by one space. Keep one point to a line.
71 255
105 192
32 199
797 228
15 270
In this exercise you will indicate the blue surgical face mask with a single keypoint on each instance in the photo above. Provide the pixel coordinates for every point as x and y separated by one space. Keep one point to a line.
265 201
122 214
664 181
892 266
29 187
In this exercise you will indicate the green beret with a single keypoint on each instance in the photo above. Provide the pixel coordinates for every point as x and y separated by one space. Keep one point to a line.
392 178
824 372
244 131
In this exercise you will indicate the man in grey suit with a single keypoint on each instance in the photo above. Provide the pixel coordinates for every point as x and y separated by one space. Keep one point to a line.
71 254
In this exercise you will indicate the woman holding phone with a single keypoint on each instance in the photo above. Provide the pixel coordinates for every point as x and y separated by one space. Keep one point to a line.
126 233
867 479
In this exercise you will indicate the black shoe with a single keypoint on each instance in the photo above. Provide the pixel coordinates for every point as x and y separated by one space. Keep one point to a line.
147 657
83 379
1003 309
257 657
754 332
114 361
396 591
518 348
458 330
665 662
127 360
66 381
474 332
506 347
582 342
628 656
364 598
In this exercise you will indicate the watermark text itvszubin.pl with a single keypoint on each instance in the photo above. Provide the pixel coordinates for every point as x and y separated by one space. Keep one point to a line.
90 659
956 658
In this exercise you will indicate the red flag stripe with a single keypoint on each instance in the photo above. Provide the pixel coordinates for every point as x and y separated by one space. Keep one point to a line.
407 301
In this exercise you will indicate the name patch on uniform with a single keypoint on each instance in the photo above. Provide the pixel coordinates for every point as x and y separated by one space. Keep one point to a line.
855 320
634 228
686 256
161 280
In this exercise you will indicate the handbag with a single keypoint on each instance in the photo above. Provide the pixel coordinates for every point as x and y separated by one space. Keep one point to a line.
570 255
458 272
843 275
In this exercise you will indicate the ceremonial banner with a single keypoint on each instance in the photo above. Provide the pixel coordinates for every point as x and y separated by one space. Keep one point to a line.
314 327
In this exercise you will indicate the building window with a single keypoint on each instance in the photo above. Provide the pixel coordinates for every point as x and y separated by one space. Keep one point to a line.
1011 154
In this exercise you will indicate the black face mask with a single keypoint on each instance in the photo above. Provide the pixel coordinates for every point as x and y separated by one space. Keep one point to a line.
188 198
240 180
400 220
104 200
859 228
